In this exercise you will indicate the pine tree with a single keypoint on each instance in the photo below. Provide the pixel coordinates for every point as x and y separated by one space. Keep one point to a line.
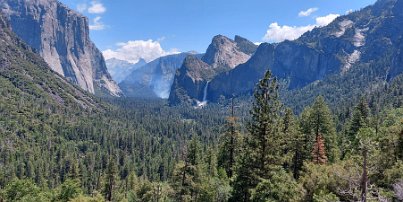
244 180
321 123
263 146
187 173
294 144
211 163
110 183
307 139
229 144
359 119
319 151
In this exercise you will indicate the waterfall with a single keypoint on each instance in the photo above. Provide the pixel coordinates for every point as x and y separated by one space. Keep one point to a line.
203 103
205 92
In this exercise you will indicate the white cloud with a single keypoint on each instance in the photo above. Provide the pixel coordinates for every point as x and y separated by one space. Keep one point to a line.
96 8
133 51
97 24
349 11
307 12
325 20
81 7
278 33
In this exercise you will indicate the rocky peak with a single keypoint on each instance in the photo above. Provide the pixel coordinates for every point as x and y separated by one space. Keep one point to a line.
224 54
191 82
61 36
245 45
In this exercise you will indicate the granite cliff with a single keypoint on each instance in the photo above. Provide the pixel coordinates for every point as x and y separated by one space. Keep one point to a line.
61 36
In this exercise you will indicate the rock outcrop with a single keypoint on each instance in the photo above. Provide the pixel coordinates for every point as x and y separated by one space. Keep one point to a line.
61 36
191 80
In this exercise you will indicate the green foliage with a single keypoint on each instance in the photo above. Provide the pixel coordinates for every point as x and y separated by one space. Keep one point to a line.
215 189
230 144
70 189
24 191
281 186
325 197
341 179
359 119
394 174
82 198
263 146
293 152
322 123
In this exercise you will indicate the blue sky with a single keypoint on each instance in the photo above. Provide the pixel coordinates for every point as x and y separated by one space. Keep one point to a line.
150 28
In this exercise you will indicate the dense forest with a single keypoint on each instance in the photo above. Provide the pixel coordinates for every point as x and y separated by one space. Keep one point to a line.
142 150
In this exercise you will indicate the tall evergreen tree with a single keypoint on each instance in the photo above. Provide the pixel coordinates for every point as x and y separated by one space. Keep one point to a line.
263 145
110 180
211 163
187 174
294 144
359 119
229 144
321 123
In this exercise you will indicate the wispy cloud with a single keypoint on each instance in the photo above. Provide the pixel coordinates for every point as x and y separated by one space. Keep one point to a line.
82 7
278 33
133 51
308 12
97 24
96 8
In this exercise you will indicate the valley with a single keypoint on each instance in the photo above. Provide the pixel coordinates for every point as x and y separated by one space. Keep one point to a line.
316 118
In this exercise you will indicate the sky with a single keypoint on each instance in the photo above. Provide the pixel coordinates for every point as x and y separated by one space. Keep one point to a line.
134 29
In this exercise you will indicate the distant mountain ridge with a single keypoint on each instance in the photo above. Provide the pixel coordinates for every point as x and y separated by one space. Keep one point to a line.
154 79
61 36
361 38
222 55
120 69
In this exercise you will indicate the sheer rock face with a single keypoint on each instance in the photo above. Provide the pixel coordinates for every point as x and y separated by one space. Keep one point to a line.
360 38
26 74
222 55
61 37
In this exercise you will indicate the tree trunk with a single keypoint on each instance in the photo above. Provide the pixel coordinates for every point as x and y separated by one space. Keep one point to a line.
364 180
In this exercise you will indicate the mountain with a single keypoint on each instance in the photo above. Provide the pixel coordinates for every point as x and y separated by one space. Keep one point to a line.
362 38
192 79
153 80
28 84
61 36
120 69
